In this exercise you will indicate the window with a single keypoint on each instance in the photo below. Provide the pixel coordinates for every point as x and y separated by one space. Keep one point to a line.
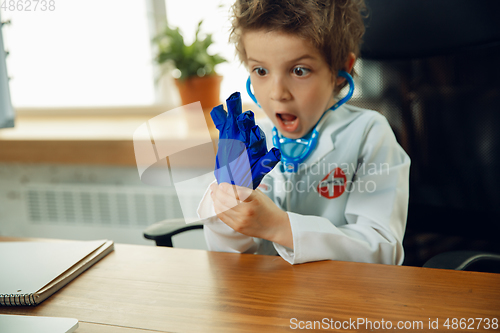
81 54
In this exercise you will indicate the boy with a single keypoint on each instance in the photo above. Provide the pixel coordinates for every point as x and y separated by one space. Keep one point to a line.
348 199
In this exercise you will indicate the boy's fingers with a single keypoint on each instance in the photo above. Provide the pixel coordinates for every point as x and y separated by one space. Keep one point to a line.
245 122
214 187
257 141
228 216
271 158
265 164
219 116
233 103
220 209
243 193
226 196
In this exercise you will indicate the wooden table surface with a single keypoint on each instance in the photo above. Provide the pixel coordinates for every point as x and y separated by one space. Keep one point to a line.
144 289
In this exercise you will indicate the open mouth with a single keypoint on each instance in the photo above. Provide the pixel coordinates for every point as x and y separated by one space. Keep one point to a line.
288 122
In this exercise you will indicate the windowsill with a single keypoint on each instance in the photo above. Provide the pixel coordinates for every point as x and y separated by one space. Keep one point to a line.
137 110
57 138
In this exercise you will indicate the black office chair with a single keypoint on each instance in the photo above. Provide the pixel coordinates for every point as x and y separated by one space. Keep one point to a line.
163 231
466 261
431 67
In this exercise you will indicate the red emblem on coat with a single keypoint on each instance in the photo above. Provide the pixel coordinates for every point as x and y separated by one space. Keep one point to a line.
333 185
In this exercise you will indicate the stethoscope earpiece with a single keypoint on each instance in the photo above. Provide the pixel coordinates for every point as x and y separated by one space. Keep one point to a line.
249 91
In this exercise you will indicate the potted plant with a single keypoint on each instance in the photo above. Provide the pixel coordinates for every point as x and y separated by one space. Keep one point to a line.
198 80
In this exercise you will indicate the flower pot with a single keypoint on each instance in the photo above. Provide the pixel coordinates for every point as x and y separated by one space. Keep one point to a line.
205 89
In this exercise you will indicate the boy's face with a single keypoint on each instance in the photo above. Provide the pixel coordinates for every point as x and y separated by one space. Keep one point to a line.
291 80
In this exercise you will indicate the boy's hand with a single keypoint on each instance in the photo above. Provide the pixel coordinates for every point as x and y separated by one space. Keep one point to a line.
256 215
237 134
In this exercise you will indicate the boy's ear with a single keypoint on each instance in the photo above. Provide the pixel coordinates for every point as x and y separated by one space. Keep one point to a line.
349 64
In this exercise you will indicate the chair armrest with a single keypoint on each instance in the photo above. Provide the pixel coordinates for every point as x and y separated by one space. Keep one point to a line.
163 231
466 261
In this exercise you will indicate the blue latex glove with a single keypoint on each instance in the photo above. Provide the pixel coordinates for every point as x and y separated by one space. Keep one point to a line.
238 134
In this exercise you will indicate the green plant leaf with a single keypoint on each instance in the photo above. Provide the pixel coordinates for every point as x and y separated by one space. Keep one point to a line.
189 59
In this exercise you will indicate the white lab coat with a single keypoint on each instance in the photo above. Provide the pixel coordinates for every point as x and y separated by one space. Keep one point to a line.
361 217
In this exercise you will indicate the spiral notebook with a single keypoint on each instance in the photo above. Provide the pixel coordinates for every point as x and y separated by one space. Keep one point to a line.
32 271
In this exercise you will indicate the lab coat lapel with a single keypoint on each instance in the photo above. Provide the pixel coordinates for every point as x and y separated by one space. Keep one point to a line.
333 123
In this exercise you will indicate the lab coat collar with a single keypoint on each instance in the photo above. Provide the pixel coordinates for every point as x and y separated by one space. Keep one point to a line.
335 121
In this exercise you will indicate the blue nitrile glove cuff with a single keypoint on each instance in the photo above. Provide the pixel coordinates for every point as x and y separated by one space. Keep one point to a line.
237 134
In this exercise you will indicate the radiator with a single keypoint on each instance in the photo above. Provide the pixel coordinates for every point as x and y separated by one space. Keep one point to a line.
89 202
118 206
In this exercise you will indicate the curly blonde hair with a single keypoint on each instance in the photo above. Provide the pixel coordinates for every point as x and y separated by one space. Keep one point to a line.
334 27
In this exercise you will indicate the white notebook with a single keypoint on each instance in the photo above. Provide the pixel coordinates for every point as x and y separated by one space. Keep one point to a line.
32 271
23 324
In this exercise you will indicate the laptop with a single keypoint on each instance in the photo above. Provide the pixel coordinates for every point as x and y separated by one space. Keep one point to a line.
24 324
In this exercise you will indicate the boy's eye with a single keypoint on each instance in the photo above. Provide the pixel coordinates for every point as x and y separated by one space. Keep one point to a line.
300 71
260 71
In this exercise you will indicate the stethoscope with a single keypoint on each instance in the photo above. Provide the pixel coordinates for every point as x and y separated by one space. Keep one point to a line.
296 151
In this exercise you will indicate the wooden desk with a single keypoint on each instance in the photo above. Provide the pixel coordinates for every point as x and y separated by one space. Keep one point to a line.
144 289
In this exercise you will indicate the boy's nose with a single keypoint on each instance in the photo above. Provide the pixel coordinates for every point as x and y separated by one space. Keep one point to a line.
279 90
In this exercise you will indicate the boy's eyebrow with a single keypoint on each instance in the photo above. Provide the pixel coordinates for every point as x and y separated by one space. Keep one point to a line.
305 56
